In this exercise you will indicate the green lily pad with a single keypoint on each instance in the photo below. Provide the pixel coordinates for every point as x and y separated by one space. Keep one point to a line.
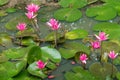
24 75
79 74
110 28
32 69
5 40
103 12
91 1
118 75
73 3
10 10
51 65
28 42
117 61
68 14
34 54
2 2
76 34
67 53
51 54
11 25
2 13
3 58
51 37
13 68
102 70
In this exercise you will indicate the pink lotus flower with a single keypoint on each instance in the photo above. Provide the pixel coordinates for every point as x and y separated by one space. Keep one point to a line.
53 23
21 26
112 55
83 58
40 64
95 44
30 15
102 36
32 8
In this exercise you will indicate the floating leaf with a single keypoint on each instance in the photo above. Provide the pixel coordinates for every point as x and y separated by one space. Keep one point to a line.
32 69
110 28
11 25
51 65
24 75
118 75
2 2
51 54
76 34
117 61
10 10
103 12
2 13
102 70
51 37
68 14
91 1
3 58
28 42
73 3
34 54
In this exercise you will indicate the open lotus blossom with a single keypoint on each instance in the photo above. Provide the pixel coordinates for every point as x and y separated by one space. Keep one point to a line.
102 36
21 26
112 55
32 8
30 15
83 58
41 64
95 44
53 23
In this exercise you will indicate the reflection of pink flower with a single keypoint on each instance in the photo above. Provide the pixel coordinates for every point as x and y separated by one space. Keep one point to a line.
21 26
102 36
40 64
112 55
32 8
53 23
95 44
30 15
83 58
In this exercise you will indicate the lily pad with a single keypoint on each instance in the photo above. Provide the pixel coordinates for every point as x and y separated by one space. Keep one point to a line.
2 13
2 2
34 70
118 75
10 10
34 54
117 61
11 25
51 54
102 70
91 1
76 34
24 75
3 58
5 40
73 3
68 14
102 13
79 74
110 28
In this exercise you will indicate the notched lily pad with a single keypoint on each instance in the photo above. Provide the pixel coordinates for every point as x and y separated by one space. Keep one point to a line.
102 71
76 34
73 3
103 12
68 14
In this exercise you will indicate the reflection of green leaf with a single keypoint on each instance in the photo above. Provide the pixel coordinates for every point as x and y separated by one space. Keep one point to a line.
51 54
32 69
2 2
103 12
73 3
76 34
68 14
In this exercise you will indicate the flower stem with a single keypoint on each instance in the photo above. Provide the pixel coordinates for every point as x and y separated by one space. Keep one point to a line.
101 52
112 69
55 36
21 38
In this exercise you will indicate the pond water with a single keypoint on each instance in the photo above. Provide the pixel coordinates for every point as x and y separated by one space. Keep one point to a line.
44 15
